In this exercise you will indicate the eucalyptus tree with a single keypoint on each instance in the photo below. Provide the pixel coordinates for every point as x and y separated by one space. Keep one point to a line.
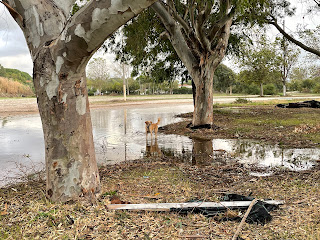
224 78
61 44
288 56
260 63
198 32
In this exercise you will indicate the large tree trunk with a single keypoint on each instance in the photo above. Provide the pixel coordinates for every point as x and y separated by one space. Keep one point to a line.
70 157
203 107
202 61
261 89
61 46
284 89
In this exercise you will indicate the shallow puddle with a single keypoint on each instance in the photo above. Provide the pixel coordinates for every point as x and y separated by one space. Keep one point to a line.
250 152
119 135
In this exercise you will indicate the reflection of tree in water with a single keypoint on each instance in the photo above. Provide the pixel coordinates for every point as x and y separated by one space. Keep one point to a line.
202 151
222 151
253 150
257 153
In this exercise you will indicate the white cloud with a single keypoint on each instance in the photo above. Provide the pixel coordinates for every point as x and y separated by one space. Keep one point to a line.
22 62
14 51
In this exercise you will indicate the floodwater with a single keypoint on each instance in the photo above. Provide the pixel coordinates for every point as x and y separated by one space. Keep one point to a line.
119 135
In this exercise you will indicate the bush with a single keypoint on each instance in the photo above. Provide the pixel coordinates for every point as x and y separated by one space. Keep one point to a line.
270 89
246 88
316 89
91 92
182 90
307 85
242 100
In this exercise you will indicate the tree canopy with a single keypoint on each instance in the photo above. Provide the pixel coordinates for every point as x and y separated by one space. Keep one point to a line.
185 35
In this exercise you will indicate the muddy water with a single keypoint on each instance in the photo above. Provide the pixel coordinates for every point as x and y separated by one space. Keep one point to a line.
119 135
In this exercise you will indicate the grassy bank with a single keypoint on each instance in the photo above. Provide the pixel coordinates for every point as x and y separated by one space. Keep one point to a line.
288 127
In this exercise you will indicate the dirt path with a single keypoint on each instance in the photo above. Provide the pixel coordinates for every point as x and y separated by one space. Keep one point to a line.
23 106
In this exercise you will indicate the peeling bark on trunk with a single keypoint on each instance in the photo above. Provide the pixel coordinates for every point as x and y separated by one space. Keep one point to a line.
203 108
61 46
64 109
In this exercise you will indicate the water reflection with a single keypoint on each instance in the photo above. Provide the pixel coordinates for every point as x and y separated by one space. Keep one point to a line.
202 150
119 135
222 151
152 148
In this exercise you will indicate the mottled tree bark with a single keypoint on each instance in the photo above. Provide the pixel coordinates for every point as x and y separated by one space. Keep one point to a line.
61 46
203 108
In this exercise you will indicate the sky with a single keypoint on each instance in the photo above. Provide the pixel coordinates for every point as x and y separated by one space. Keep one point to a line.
14 51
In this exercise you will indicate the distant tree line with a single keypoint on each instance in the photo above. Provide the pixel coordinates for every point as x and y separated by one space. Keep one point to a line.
304 80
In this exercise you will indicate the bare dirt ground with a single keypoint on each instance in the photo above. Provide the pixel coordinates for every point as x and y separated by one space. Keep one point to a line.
24 106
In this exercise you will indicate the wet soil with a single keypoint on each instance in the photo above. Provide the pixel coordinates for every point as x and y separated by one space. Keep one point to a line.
296 128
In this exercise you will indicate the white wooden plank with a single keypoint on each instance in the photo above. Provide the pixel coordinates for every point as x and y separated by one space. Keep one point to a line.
166 206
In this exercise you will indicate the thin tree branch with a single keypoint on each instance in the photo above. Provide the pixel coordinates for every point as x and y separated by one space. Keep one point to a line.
177 39
219 24
179 19
83 39
293 40
200 33
189 33
235 236
318 3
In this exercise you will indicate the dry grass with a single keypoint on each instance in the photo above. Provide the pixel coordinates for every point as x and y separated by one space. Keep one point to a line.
13 88
29 215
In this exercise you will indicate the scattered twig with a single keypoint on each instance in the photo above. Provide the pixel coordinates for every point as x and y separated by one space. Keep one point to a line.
235 236
192 236
4 212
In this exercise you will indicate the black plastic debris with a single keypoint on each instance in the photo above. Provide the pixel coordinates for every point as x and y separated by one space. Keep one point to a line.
305 104
259 213
204 126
